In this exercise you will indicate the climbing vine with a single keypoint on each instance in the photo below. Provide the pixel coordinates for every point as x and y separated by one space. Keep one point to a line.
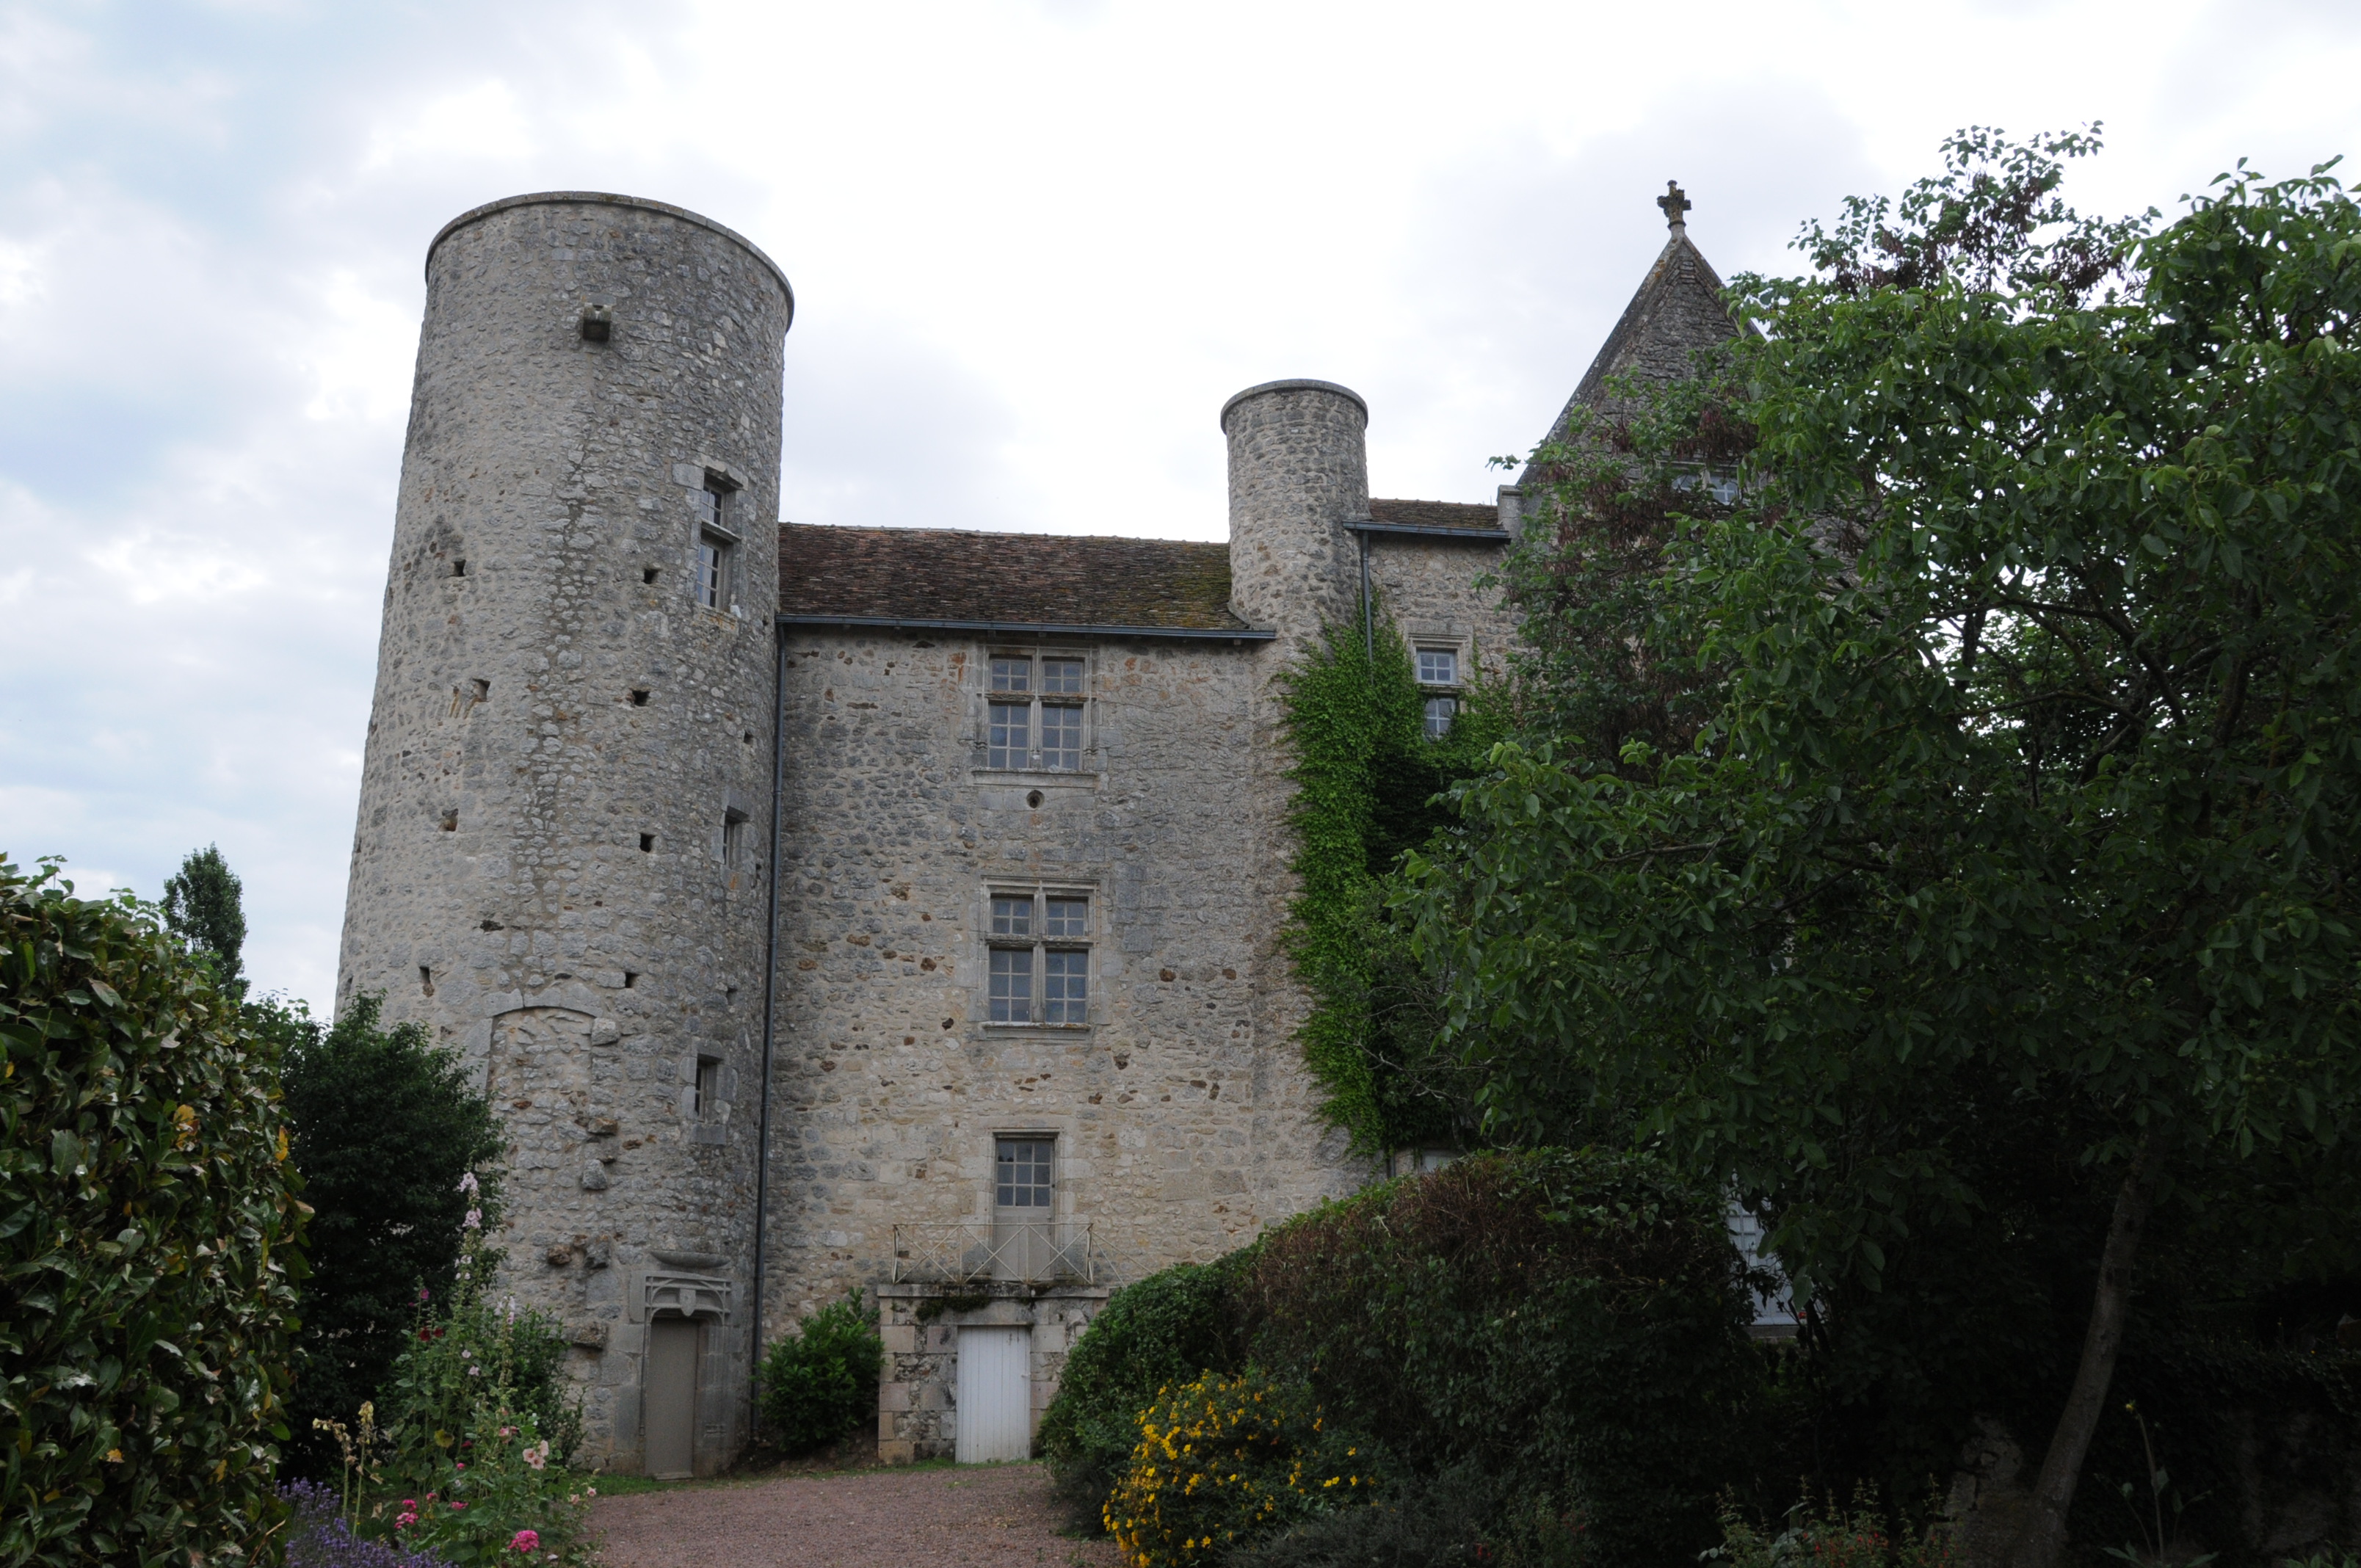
1367 781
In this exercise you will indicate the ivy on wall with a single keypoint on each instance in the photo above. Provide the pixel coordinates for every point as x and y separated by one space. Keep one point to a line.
1367 781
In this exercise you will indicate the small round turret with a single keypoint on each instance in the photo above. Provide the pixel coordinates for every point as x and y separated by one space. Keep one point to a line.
1299 472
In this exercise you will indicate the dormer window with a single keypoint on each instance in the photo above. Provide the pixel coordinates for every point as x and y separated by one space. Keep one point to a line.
717 543
1439 668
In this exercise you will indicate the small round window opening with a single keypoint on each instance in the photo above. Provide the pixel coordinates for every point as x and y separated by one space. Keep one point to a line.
1034 799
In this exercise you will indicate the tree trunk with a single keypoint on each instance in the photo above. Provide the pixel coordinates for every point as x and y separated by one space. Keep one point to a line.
2062 1467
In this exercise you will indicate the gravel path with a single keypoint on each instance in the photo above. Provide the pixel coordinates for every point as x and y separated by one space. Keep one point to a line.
997 1516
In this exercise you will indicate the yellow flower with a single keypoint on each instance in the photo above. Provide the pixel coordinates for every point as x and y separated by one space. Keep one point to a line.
114 1456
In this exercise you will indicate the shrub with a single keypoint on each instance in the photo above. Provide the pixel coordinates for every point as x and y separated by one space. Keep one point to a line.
1462 1518
1225 1462
384 1126
149 1236
820 1384
1835 1537
1167 1328
1572 1319
477 1454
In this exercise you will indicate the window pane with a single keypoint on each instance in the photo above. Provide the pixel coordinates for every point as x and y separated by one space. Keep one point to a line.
709 573
1066 988
1061 676
1068 917
707 505
1439 711
1438 667
1061 736
1011 744
1012 675
1023 1173
1012 985
1012 916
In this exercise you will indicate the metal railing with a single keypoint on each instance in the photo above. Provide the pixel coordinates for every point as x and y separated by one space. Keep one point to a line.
976 1252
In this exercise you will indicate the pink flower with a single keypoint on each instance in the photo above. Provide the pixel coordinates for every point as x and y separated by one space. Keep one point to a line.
456 1506
526 1540
537 1455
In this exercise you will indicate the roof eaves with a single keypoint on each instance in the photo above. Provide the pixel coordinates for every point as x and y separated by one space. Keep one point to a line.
1423 530
1240 634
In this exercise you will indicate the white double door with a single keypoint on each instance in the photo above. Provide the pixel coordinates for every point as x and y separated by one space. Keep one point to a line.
996 1395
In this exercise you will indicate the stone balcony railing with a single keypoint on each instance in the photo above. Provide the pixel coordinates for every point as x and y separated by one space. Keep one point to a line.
980 1252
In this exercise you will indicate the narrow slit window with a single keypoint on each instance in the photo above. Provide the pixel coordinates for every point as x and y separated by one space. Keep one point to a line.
706 1103
717 543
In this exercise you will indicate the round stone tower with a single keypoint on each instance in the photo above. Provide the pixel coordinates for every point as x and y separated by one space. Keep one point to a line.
1299 472
561 859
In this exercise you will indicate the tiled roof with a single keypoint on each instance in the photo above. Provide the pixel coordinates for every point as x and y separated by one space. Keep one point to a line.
1436 514
1006 580
1676 311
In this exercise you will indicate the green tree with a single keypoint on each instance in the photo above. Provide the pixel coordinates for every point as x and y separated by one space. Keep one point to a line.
202 907
384 1127
2027 793
150 1241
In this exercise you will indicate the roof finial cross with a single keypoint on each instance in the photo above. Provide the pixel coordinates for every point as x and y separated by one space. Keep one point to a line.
1676 203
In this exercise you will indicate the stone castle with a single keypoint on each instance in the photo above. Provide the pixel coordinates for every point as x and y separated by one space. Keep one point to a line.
838 907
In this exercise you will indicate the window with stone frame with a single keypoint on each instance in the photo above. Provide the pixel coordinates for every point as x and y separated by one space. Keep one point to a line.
1438 676
1023 1167
1033 712
1038 969
716 551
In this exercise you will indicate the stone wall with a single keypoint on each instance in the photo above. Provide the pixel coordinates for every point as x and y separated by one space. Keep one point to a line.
557 734
1179 1129
917 1396
1428 586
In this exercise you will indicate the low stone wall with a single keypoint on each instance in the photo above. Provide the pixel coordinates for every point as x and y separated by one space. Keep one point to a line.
917 1397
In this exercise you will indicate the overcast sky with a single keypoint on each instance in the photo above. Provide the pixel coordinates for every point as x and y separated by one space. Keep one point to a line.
1034 247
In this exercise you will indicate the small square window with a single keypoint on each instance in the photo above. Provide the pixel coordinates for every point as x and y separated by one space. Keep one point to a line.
1067 918
1012 917
1062 675
1012 675
1439 711
1021 1172
1438 667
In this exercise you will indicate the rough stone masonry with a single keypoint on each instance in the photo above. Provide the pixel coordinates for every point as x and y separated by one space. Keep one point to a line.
971 846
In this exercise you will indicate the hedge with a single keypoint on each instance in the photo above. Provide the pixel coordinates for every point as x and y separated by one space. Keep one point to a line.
149 1237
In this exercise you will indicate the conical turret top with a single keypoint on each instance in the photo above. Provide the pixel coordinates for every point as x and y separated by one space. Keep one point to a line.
1676 311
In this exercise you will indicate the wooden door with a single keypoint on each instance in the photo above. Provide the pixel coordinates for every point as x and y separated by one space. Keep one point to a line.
996 1395
668 1398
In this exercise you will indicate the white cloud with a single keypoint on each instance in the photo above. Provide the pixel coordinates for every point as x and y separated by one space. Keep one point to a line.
1034 245
484 121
